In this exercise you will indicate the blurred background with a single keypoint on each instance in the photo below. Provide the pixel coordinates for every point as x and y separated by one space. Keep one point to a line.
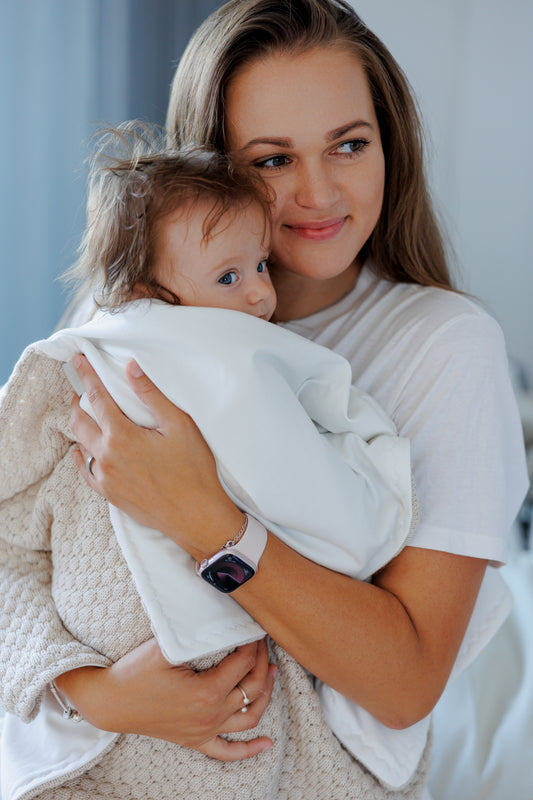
68 65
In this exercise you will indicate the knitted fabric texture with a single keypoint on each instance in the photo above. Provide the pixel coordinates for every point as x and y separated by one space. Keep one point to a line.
69 601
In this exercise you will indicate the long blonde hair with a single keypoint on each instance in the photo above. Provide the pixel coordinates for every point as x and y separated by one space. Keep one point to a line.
407 244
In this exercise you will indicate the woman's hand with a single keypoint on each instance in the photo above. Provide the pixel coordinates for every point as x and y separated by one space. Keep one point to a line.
164 477
142 693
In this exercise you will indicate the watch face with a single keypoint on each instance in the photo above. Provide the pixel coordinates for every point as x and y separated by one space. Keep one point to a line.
227 573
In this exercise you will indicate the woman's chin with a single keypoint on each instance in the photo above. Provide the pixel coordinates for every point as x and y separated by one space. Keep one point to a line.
321 267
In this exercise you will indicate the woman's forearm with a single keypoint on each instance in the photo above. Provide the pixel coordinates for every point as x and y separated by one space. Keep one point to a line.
387 648
142 693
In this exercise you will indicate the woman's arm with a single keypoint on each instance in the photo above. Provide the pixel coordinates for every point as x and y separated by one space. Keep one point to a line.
395 640
142 693
388 645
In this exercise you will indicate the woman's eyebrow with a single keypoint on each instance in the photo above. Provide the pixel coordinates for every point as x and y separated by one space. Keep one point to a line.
282 142
337 133
273 140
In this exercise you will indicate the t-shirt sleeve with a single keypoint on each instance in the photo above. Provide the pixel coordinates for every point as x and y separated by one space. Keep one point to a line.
458 409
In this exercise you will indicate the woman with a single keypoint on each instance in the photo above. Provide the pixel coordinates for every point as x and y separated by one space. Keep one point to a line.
304 93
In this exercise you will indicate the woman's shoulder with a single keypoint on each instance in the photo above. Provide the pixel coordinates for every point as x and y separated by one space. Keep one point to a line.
383 320
427 307
438 328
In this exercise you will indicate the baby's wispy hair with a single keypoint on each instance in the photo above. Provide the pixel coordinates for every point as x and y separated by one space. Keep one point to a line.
134 182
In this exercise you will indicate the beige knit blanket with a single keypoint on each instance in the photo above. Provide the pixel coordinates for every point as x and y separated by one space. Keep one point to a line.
69 600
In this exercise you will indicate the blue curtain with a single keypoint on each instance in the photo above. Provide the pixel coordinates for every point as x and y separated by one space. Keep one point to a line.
67 66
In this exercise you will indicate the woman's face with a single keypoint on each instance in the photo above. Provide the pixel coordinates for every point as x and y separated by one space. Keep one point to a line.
307 123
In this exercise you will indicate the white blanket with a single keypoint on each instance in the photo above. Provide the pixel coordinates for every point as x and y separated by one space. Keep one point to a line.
296 445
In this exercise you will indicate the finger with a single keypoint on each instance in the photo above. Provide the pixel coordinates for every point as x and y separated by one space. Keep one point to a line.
105 408
82 463
84 427
243 722
255 682
235 751
232 669
87 465
83 452
161 407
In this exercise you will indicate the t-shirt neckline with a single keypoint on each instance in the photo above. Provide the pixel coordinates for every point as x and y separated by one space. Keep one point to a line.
337 309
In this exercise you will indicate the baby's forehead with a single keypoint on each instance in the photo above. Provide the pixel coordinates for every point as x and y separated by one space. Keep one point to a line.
249 217
202 221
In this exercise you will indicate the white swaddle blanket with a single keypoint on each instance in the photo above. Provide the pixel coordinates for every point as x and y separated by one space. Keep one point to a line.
296 445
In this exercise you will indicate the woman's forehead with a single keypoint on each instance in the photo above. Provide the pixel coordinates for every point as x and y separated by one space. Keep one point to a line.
321 89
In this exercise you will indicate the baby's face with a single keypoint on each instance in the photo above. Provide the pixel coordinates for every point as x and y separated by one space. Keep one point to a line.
227 271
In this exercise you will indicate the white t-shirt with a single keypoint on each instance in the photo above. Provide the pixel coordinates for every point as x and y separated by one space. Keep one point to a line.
436 362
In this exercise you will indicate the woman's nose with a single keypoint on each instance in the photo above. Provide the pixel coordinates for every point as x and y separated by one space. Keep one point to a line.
315 186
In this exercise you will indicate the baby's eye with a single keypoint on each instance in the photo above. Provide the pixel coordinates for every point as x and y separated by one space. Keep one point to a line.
262 266
228 278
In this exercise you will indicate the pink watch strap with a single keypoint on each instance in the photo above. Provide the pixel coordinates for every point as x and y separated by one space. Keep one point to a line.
252 543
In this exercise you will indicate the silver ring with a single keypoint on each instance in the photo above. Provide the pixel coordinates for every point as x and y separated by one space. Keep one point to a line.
245 699
89 464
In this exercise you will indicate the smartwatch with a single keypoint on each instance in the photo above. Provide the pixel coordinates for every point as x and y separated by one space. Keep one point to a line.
235 564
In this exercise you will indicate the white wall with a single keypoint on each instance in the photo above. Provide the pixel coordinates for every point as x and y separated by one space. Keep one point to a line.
470 63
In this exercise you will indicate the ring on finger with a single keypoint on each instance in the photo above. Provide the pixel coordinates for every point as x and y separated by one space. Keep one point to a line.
89 464
245 699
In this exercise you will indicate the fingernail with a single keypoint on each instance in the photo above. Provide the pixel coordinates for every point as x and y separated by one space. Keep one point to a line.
76 360
135 370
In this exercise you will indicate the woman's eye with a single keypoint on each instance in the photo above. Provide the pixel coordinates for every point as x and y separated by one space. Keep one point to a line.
274 162
262 266
353 146
228 278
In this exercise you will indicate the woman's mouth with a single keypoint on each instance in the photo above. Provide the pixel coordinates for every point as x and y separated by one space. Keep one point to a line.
318 231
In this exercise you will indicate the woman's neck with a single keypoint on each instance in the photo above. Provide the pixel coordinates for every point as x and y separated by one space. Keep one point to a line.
299 295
